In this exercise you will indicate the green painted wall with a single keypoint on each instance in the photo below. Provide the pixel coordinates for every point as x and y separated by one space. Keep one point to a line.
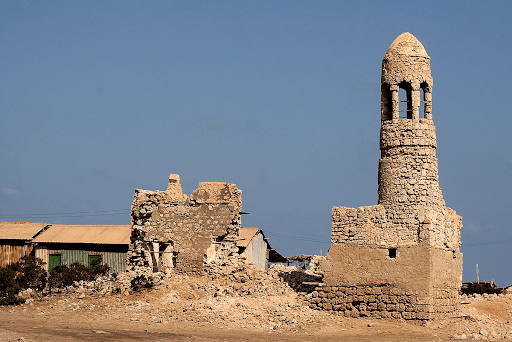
115 260
113 256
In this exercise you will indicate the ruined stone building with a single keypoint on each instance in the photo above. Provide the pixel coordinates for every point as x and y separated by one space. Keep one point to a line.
400 258
171 230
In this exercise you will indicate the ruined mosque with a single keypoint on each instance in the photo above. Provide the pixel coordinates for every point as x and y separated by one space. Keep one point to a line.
400 258
397 259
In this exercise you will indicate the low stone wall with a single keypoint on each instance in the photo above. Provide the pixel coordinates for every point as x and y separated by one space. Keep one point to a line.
381 301
445 301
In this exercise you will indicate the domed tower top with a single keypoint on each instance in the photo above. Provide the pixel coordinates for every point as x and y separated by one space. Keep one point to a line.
406 44
406 66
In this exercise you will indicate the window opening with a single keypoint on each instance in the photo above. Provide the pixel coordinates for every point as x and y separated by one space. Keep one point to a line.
405 100
422 104
154 249
392 253
386 102
167 254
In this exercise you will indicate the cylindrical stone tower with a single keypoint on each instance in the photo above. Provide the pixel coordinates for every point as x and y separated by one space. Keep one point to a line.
408 245
408 174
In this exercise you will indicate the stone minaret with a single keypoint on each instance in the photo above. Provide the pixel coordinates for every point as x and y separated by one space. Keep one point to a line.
403 253
408 173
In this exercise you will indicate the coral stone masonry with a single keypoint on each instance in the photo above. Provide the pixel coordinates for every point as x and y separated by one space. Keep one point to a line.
173 230
400 258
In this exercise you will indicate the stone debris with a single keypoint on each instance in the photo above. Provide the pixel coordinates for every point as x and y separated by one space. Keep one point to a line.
233 295
246 298
111 284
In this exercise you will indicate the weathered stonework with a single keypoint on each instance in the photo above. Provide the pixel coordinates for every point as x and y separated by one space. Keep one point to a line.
408 245
380 301
173 230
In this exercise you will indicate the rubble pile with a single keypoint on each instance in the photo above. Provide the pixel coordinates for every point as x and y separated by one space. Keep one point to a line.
224 277
112 283
484 317
235 297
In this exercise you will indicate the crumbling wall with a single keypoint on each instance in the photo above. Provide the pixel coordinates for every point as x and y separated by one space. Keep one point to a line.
173 230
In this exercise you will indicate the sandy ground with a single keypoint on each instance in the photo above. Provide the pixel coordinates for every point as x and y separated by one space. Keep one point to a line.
197 309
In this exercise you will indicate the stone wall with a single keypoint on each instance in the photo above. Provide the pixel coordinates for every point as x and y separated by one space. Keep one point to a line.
173 230
382 301
380 226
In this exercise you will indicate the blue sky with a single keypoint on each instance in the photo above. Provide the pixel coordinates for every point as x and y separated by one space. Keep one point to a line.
281 98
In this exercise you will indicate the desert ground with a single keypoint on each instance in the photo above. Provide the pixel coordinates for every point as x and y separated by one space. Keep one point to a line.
259 308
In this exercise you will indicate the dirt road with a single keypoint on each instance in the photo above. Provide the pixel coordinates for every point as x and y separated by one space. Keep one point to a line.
195 309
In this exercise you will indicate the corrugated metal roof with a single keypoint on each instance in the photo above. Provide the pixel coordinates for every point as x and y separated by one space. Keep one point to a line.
20 230
245 236
60 233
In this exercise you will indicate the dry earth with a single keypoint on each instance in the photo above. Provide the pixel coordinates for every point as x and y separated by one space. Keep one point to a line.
257 308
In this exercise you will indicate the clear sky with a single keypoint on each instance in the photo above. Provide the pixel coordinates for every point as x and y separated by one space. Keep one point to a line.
281 98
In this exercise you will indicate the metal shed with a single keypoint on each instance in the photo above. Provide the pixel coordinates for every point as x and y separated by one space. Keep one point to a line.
16 240
68 244
253 245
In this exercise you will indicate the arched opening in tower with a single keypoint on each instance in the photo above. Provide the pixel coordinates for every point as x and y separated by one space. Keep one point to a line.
422 104
386 102
405 99
426 101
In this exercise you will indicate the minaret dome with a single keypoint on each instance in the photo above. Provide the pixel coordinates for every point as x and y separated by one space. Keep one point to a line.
406 66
